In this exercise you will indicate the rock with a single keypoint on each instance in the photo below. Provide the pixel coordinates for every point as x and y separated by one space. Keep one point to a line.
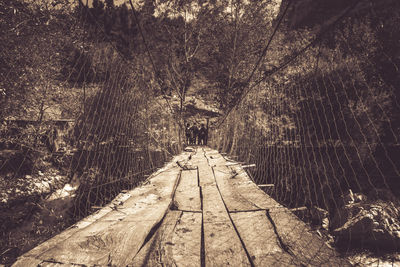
368 224
346 198
359 197
68 187
344 214
325 223
45 186
28 176
368 259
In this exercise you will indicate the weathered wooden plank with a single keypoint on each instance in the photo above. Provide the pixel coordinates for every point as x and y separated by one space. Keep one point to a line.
248 166
158 250
114 234
116 237
187 195
187 240
240 191
265 185
260 239
159 189
24 261
206 176
234 201
246 187
176 243
215 159
137 192
222 244
306 246
107 242
198 157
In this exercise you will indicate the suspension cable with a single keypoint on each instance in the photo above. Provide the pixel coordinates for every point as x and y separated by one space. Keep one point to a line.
285 64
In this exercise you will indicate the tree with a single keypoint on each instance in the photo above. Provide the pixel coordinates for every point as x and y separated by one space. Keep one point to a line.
239 33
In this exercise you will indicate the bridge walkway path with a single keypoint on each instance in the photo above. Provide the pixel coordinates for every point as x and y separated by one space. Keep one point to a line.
200 209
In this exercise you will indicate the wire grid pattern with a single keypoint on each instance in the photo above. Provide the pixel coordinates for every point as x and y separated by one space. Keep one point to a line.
317 131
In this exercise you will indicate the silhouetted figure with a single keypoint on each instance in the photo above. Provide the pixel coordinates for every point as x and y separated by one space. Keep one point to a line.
194 132
188 134
203 132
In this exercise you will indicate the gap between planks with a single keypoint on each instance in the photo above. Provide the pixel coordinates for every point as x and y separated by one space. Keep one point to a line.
250 259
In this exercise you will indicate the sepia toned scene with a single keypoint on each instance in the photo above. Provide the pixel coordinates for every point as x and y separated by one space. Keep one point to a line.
199 133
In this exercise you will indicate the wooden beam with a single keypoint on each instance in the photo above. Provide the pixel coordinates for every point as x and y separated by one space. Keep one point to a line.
222 244
260 239
249 166
215 159
158 250
265 185
116 237
247 188
206 176
233 163
234 201
186 240
187 194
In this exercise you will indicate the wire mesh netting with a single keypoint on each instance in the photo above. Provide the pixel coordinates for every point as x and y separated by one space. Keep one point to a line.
122 136
323 130
118 131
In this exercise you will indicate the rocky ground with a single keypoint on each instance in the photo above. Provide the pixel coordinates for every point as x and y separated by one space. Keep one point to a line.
365 229
33 208
373 260
16 189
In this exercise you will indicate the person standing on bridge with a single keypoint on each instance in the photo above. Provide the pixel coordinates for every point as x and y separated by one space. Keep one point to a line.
203 132
194 131
188 134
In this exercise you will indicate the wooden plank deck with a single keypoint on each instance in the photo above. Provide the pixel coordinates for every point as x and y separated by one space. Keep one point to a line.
207 214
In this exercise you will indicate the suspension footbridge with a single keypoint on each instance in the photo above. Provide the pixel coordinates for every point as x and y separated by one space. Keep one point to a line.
200 209
306 91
